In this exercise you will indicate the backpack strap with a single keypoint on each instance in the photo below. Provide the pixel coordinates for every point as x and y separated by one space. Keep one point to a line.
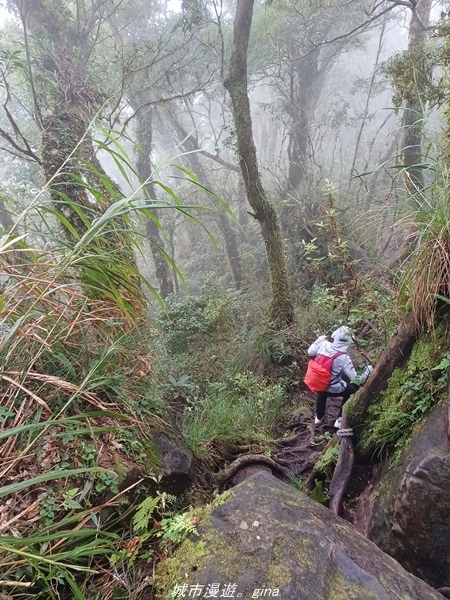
330 358
336 377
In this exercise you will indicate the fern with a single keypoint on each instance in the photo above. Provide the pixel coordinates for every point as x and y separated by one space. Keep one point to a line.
176 528
144 513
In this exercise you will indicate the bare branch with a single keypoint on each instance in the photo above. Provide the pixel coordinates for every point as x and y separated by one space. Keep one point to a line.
36 108
23 151
17 155
360 27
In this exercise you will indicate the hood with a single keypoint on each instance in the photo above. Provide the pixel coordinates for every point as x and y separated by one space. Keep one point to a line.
341 338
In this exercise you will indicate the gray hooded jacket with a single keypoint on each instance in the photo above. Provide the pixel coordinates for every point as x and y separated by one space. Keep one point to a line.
342 363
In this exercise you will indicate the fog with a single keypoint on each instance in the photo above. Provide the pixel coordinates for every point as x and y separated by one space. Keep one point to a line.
148 79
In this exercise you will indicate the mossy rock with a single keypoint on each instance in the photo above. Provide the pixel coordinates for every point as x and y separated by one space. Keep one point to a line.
410 505
412 391
270 540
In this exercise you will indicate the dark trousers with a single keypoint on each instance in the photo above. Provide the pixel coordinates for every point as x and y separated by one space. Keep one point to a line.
321 400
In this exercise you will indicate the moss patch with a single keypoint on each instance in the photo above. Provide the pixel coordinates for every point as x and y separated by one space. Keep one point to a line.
152 457
341 589
192 556
412 391
174 570
278 574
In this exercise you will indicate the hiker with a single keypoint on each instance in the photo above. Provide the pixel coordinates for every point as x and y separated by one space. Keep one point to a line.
342 380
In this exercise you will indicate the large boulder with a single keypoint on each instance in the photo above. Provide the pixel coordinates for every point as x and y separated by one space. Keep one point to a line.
407 512
270 540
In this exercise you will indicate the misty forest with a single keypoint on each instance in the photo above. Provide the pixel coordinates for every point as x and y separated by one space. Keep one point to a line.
192 192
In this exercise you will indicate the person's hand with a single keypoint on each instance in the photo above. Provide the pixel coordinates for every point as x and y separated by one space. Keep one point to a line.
362 377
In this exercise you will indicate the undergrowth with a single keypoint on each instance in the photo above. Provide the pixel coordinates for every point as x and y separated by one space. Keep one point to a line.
78 394
240 410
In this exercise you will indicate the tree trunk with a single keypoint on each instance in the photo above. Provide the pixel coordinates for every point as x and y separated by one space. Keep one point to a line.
145 140
242 204
67 118
281 307
64 116
6 221
303 101
61 135
413 115
191 146
229 236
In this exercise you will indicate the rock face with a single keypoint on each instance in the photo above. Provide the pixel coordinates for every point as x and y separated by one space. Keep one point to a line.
410 508
177 462
270 540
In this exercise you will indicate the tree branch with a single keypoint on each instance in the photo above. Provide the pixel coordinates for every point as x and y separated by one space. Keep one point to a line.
359 27
36 108
5 135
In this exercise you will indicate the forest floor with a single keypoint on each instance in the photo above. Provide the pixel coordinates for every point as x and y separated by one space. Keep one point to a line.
297 450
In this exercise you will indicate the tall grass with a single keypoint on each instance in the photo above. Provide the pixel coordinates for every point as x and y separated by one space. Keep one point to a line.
74 372
241 409
426 277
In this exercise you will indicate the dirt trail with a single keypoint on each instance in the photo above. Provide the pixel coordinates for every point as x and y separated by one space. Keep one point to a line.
297 451
304 443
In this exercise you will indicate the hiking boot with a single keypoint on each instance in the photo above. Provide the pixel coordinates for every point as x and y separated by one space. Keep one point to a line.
317 421
338 423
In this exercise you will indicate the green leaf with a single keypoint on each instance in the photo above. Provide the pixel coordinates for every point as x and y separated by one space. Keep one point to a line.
443 298
144 513
12 431
62 220
12 488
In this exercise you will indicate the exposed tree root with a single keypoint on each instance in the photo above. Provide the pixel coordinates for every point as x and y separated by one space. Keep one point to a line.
343 469
288 440
293 449
242 461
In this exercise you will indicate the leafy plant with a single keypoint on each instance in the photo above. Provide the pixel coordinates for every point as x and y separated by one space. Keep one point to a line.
76 365
327 461
427 275
296 482
320 493
175 528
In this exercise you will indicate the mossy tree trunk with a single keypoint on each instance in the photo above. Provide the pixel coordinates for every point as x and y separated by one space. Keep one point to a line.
394 356
413 113
281 308
61 134
65 100
58 62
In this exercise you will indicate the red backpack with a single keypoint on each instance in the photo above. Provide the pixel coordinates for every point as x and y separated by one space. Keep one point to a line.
318 373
